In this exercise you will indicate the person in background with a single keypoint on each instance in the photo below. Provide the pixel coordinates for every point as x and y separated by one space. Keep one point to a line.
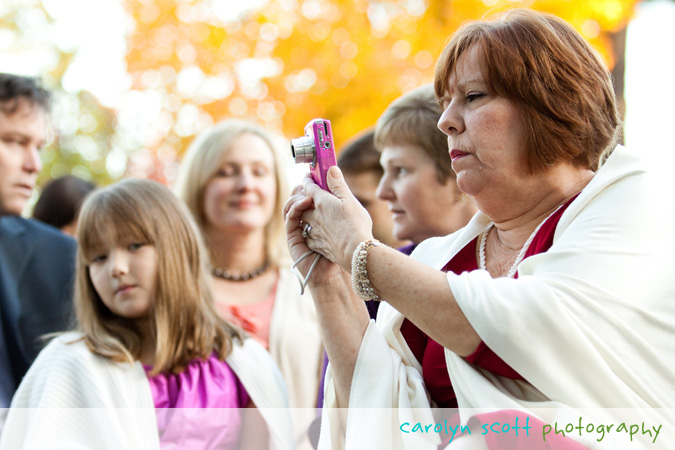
418 182
149 343
233 182
360 164
60 200
556 295
37 263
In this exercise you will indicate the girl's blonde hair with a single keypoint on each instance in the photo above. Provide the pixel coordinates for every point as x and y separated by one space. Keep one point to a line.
203 159
183 320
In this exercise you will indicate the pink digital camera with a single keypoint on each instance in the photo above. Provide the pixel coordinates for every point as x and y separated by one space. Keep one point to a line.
316 148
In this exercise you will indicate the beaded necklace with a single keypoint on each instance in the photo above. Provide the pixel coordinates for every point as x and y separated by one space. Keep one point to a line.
227 275
521 254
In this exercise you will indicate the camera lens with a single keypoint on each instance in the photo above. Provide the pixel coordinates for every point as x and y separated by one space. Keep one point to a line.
302 149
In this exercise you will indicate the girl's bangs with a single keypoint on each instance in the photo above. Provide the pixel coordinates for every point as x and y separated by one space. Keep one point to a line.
113 220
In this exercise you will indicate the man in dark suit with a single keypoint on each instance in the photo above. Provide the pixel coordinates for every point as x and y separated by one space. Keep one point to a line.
37 262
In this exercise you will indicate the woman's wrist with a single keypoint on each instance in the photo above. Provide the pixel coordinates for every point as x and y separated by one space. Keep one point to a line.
335 280
349 249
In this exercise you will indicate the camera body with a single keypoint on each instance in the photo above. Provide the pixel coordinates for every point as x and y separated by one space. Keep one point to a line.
316 148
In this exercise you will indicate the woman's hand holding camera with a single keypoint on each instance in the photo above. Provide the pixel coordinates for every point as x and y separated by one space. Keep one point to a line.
338 221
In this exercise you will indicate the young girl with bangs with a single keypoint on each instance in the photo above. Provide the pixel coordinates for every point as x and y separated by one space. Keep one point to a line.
151 361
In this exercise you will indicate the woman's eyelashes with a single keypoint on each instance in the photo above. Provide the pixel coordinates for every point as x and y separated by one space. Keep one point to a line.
260 171
227 171
232 171
472 96
469 97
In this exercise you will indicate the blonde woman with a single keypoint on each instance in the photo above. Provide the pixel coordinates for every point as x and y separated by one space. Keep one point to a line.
233 182
149 343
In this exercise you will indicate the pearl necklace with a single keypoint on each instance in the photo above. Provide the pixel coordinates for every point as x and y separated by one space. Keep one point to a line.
521 254
227 275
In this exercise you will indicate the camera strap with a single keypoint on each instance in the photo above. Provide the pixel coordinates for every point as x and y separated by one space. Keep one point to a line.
303 282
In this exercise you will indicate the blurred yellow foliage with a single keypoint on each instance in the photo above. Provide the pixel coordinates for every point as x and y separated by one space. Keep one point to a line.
284 62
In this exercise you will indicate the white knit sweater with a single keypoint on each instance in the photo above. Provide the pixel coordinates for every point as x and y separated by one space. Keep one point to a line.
73 399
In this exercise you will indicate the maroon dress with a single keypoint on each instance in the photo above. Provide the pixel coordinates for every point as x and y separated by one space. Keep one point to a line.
431 356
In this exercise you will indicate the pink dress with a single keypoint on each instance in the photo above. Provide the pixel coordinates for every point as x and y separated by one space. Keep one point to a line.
197 408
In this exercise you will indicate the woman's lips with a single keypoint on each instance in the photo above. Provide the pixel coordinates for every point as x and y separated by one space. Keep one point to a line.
243 204
456 154
124 289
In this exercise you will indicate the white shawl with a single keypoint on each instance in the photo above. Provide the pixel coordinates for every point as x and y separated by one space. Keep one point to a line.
589 324
295 341
73 399
295 345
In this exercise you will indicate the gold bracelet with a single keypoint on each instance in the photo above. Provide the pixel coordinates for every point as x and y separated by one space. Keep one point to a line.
360 281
